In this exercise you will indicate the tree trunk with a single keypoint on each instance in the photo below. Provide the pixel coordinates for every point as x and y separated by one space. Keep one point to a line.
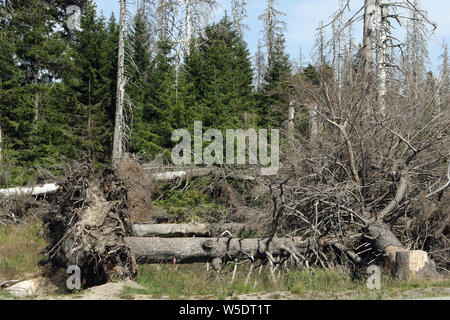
190 250
188 26
118 126
382 26
291 123
404 264
162 19
185 230
313 126
33 191
367 50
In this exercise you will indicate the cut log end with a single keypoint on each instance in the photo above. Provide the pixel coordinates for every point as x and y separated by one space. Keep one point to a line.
414 265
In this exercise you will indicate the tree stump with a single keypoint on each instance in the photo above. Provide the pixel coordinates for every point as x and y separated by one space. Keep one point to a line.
414 265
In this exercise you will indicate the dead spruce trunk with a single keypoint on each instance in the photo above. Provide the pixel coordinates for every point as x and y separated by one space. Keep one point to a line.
186 230
33 191
190 250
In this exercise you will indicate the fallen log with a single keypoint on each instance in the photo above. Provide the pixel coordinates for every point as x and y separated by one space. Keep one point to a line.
30 191
190 250
173 175
186 230
197 173
405 264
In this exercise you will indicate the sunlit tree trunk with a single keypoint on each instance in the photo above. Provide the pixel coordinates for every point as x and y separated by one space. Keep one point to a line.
382 28
291 122
118 127
367 49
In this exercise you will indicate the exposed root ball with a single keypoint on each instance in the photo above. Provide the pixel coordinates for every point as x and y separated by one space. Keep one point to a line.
89 225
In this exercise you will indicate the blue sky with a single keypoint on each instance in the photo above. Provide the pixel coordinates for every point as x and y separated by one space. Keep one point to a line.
303 17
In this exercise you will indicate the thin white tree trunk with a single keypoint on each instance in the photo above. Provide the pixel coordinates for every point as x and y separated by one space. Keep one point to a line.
291 123
118 127
270 31
382 54
162 19
33 191
367 50
188 26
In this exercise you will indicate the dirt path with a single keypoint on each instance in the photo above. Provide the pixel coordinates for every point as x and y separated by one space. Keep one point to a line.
116 291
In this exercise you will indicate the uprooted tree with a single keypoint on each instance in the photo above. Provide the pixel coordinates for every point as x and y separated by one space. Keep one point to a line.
88 224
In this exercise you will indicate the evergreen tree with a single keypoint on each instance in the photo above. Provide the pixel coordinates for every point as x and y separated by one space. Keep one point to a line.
11 78
38 53
87 90
219 78
275 93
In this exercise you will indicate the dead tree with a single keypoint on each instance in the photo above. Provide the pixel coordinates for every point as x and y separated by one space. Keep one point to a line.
260 67
238 9
444 79
273 25
368 36
382 27
120 95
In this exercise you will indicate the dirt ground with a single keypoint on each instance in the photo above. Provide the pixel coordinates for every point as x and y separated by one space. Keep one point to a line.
118 291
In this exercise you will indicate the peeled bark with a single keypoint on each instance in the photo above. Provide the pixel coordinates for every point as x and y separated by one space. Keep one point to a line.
414 265
190 250
30 191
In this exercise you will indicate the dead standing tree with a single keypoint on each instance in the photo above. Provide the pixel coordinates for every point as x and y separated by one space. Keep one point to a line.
119 124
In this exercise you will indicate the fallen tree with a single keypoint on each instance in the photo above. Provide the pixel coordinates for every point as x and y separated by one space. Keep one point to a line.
186 230
88 226
189 250
190 173
37 190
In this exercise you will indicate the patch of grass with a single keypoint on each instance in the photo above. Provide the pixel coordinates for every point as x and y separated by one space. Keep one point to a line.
301 282
182 281
192 281
4 295
19 249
